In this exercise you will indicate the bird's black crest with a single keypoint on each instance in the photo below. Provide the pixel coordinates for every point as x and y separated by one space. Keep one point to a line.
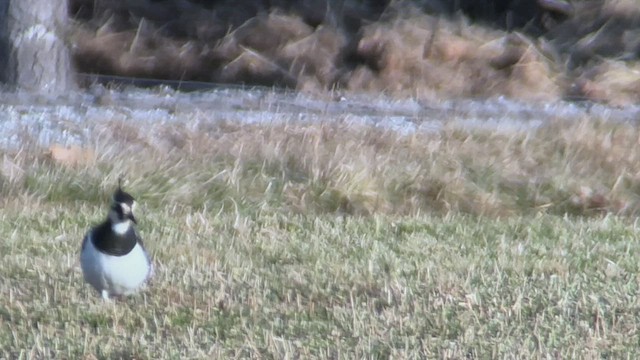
122 197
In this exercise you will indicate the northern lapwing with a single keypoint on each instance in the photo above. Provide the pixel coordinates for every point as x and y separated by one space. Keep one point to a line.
113 258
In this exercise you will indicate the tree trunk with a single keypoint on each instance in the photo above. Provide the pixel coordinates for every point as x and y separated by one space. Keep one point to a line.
33 53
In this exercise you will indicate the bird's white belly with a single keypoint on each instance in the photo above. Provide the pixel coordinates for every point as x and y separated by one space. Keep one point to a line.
118 275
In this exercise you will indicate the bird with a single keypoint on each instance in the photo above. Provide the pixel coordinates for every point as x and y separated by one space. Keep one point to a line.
113 257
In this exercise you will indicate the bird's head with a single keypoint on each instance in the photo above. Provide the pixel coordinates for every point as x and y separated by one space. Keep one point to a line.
121 212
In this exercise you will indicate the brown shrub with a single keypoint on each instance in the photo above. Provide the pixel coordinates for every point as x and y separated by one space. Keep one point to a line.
255 68
138 53
271 33
316 56
250 54
614 82
468 63
398 49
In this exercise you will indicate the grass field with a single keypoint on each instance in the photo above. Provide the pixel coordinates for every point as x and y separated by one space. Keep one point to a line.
334 241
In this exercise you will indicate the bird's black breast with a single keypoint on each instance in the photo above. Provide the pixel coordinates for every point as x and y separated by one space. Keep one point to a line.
108 242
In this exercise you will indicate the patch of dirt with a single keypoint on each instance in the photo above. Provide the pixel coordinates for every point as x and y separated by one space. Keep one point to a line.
70 156
434 49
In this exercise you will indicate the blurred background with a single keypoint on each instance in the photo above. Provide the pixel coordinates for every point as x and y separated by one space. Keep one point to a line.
426 49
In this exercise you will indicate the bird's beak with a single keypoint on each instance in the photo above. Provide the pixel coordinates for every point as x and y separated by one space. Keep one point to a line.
132 218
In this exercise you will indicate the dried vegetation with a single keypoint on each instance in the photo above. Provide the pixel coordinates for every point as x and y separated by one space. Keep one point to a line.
578 50
328 240
585 167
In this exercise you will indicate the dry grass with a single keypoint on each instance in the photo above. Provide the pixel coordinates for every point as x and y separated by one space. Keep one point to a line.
398 49
333 241
582 167
428 57
320 287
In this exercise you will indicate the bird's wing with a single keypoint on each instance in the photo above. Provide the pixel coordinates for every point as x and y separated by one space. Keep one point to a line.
84 241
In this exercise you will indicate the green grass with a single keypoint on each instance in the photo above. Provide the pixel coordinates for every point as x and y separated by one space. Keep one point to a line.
322 286
373 246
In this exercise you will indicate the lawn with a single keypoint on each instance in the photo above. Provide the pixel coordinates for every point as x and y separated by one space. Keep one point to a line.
333 241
